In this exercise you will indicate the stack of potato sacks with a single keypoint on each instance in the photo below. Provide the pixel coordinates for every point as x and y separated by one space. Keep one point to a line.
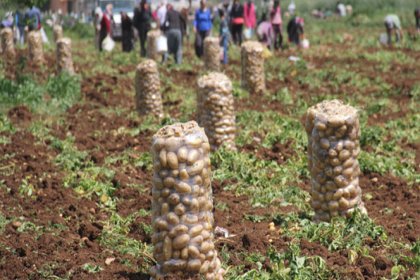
8 51
151 49
252 60
64 57
147 85
333 132
36 52
212 54
215 109
182 204
57 32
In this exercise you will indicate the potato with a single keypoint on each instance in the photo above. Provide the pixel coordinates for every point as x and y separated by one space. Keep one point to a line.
194 265
172 160
182 154
162 158
167 248
180 241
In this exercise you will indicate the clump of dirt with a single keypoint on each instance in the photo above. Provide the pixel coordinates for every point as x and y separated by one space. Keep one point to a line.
20 116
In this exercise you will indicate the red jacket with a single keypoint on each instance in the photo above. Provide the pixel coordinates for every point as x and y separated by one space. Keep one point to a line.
106 23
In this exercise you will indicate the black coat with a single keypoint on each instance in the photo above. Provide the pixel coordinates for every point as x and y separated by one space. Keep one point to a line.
142 19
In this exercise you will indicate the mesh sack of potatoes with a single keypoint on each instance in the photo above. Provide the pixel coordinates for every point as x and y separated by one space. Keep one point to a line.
57 32
9 53
252 64
333 132
36 52
64 57
147 85
7 45
151 49
182 204
215 109
212 54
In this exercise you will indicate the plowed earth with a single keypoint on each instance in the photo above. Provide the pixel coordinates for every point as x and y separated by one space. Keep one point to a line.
76 241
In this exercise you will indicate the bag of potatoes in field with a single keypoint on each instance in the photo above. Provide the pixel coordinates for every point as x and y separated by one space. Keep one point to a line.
35 48
151 47
215 109
252 64
182 204
147 85
57 32
333 131
212 54
64 57
7 45
8 52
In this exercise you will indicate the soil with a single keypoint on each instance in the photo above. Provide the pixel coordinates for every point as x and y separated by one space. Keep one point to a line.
68 226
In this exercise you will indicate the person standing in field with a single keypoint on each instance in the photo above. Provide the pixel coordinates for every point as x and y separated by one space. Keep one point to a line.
20 23
250 17
173 26
417 16
276 22
202 27
161 14
105 25
142 22
97 19
127 32
224 35
295 30
33 19
237 21
393 25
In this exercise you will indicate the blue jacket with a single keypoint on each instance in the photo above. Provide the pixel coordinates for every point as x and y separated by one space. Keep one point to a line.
203 20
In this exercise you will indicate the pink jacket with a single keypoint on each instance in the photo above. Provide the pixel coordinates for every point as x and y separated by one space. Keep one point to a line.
276 16
250 16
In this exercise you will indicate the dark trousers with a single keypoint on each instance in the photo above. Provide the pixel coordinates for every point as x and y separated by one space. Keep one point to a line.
278 36
199 42
174 45
143 39
237 33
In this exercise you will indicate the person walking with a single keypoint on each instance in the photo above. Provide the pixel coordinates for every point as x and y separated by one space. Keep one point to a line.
417 16
276 22
202 27
127 32
106 23
237 21
250 18
393 25
224 35
142 21
173 27
20 23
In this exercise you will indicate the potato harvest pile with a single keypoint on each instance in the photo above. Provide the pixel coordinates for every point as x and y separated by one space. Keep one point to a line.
294 164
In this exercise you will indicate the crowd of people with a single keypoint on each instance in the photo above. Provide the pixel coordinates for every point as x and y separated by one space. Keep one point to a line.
237 20
24 20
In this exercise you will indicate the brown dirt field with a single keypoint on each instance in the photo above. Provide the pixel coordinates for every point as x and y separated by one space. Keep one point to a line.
77 242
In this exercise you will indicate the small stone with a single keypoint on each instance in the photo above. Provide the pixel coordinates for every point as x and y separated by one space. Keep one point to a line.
109 260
